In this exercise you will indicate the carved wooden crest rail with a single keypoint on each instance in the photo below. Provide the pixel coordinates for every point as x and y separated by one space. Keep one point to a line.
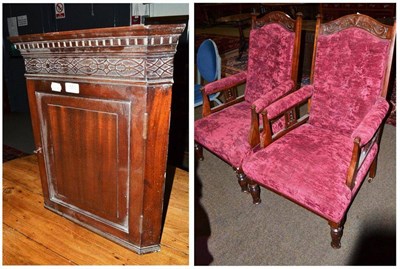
100 105
277 17
360 21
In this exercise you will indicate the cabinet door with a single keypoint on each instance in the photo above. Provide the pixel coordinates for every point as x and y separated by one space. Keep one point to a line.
86 151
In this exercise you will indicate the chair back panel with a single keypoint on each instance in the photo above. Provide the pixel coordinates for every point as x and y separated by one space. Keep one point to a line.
349 72
269 60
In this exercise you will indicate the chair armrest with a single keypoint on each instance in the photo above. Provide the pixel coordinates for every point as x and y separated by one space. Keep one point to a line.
371 122
273 95
225 83
289 101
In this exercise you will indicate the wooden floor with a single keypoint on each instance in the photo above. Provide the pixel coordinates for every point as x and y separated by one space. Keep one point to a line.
34 235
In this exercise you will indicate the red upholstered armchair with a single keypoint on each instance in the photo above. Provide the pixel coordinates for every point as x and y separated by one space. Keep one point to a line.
229 130
320 161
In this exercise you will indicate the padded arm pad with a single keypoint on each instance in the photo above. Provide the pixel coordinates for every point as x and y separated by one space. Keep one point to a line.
371 122
289 101
273 95
225 83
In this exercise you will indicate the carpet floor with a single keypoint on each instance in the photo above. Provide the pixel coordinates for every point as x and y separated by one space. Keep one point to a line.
279 232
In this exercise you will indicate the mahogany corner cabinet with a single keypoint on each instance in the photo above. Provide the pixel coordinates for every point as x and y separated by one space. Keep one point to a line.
100 105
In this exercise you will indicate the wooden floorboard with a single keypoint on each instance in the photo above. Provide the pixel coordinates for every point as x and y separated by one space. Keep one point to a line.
37 236
23 250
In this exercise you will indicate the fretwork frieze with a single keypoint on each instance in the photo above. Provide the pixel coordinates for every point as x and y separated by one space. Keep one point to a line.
130 68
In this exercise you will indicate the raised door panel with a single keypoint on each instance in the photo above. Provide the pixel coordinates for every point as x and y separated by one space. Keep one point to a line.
86 150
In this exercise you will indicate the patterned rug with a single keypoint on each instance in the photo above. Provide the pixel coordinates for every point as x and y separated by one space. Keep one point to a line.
224 43
10 153
230 64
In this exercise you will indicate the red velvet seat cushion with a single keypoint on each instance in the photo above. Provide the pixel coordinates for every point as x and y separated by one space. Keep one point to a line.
309 166
225 133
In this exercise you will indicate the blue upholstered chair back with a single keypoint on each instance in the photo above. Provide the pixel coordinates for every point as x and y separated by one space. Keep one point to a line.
209 67
208 61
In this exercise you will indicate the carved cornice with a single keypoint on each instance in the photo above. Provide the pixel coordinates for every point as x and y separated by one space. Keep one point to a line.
357 20
276 17
126 31
135 53
95 44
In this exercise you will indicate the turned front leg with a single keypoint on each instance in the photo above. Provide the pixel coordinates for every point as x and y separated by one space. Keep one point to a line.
254 189
242 179
198 149
372 169
336 234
